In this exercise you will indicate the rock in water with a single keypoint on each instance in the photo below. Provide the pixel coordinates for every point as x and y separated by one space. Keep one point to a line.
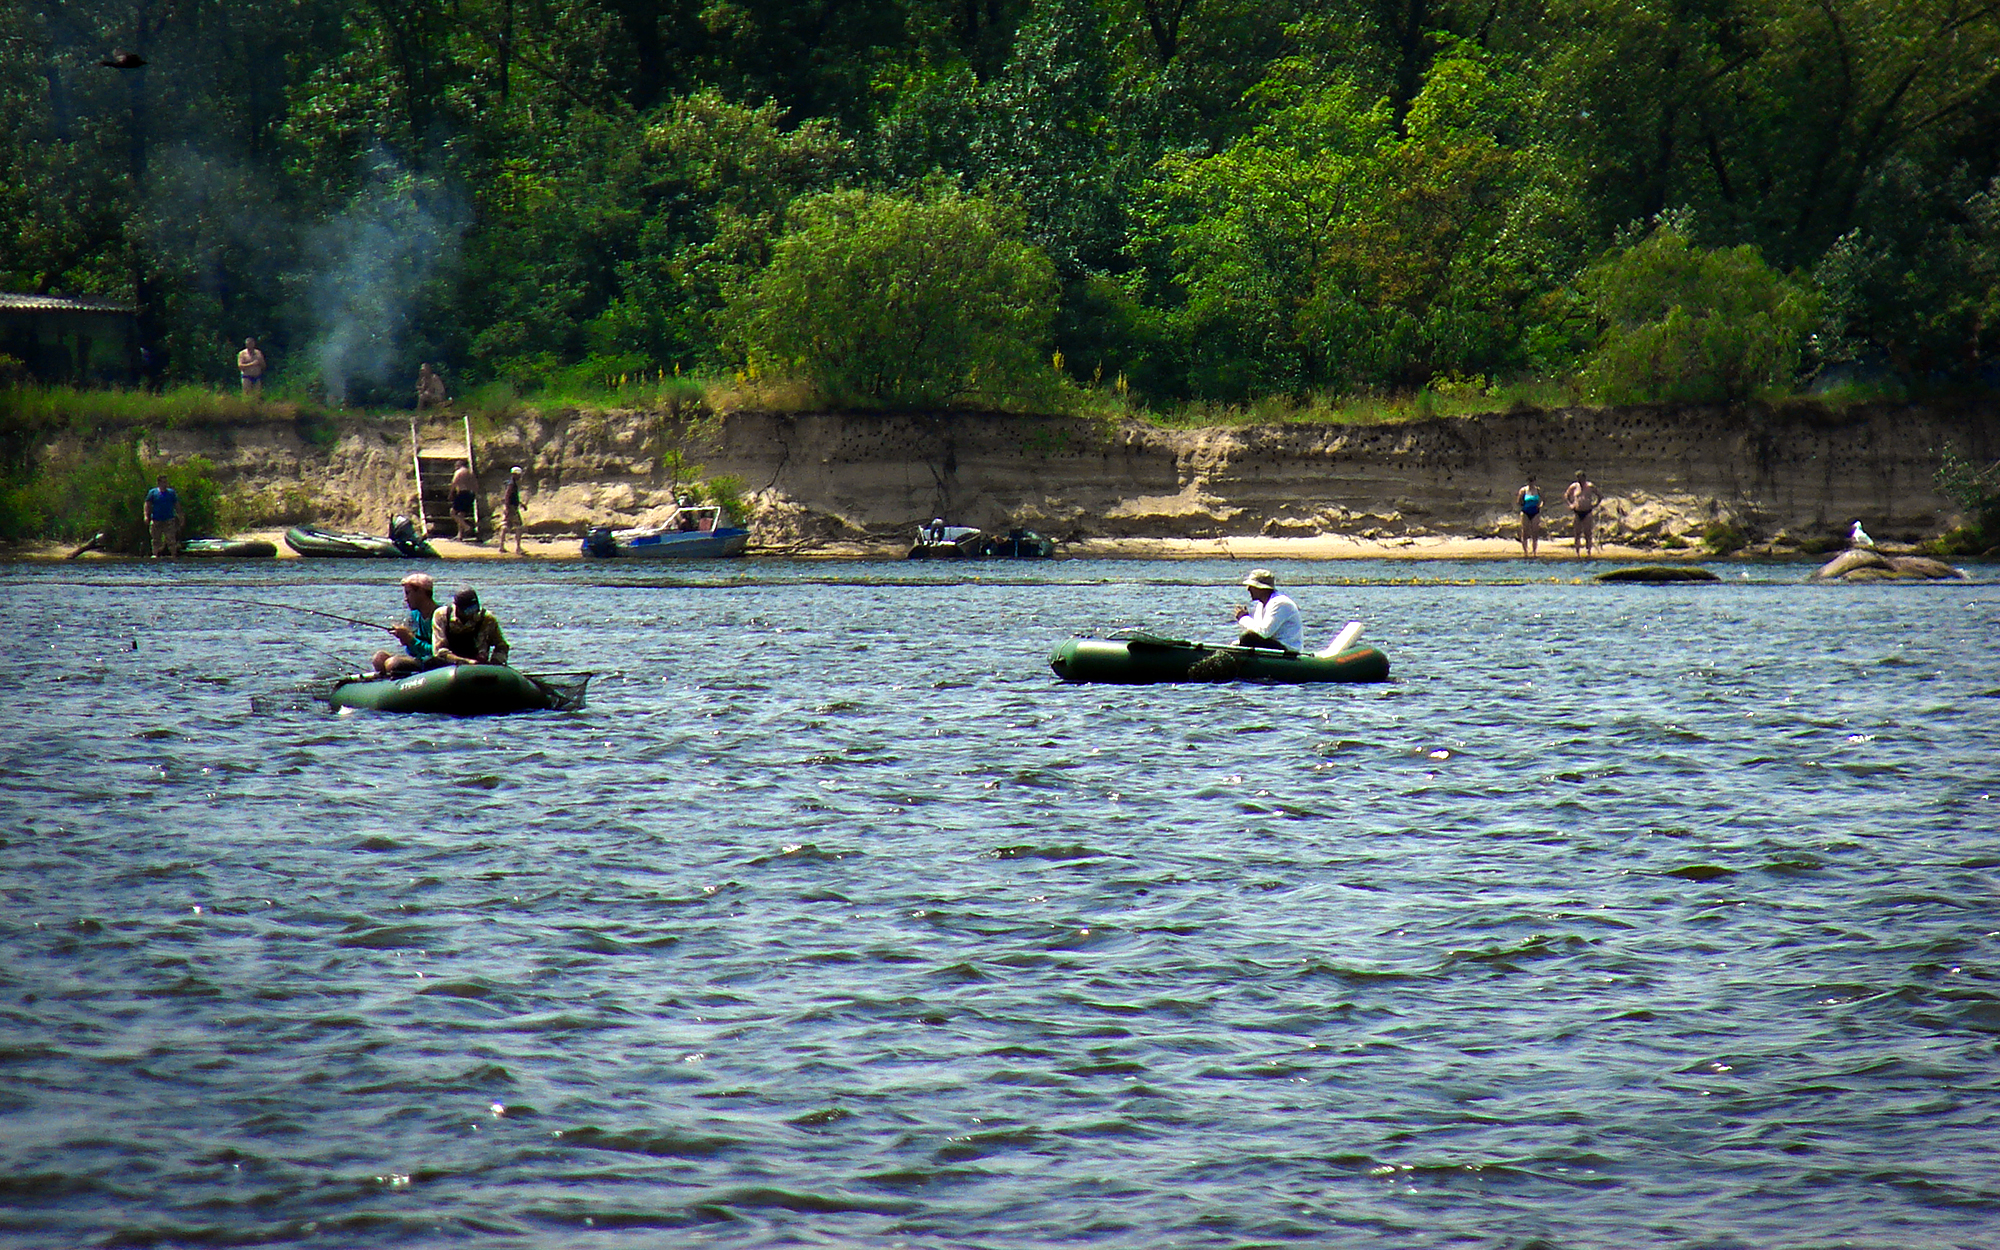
1923 566
1659 573
1862 565
1848 561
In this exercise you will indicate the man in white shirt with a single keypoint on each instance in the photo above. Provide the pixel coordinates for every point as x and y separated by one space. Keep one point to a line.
1274 620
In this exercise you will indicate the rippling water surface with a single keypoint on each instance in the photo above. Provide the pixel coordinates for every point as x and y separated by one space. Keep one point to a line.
1625 916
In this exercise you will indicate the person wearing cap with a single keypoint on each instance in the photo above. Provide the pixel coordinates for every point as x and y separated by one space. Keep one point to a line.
1272 619
467 634
510 512
414 634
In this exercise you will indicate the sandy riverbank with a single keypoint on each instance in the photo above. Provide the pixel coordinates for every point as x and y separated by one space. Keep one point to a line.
1323 547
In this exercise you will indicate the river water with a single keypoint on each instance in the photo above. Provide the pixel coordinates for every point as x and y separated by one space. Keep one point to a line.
1624 916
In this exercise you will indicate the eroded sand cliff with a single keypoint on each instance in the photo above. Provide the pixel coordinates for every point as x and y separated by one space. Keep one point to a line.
1784 474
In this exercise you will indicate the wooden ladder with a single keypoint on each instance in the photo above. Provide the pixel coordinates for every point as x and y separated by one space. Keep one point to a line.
433 467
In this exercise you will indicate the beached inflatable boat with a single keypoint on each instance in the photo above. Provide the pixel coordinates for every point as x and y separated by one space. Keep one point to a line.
229 548
400 543
1145 659
459 690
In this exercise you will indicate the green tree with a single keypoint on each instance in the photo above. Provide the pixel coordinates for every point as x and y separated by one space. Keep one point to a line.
1327 249
1689 324
905 300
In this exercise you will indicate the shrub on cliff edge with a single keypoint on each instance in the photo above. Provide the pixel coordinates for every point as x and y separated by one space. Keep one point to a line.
1684 324
901 300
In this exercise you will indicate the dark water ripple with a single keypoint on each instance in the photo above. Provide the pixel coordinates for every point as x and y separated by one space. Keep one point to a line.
1626 916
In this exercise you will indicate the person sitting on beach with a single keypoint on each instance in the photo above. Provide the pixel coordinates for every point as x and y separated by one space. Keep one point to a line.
1582 498
1529 500
415 634
1274 621
465 634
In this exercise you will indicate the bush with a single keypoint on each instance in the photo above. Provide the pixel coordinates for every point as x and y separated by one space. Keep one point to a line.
1688 325
901 300
1976 491
1724 538
102 492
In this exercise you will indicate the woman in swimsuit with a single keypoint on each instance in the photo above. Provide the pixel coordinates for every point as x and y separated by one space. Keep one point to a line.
1529 500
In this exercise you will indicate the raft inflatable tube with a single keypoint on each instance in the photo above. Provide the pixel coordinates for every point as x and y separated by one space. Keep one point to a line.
309 540
1139 662
457 690
229 548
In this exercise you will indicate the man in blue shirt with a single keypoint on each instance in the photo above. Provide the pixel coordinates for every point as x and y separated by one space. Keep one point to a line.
414 634
162 517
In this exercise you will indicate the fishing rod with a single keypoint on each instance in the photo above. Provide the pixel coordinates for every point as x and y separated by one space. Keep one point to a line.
286 607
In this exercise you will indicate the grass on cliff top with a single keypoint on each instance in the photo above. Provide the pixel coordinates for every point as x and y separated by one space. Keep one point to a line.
495 401
55 408
490 404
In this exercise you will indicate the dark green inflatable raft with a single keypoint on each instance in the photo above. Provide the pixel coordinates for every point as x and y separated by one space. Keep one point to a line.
1146 660
460 690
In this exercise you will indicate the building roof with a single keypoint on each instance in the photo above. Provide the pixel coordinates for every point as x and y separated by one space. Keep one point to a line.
10 302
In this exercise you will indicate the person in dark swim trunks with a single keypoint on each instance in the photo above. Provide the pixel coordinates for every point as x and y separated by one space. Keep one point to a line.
463 484
1529 500
1582 498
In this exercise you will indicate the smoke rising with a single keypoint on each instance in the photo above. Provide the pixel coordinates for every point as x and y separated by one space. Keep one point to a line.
370 266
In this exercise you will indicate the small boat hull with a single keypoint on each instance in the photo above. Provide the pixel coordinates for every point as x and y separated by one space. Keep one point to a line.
668 544
458 690
952 542
327 544
229 548
1139 663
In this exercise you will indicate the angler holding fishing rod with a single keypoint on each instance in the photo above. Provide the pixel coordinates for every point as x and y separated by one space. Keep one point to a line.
419 648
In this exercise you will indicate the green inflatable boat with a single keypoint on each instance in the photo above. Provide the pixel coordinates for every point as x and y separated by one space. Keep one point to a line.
460 690
1144 659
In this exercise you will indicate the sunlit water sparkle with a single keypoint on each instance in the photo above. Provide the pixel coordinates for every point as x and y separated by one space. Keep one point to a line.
1625 916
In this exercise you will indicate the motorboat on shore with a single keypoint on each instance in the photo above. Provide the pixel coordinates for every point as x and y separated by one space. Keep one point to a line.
402 542
1140 658
938 541
460 690
694 532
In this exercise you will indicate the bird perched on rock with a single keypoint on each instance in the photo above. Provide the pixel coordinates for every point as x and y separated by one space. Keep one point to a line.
1858 537
121 59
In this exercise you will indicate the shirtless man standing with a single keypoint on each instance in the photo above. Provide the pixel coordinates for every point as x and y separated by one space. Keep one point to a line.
1582 498
250 368
463 484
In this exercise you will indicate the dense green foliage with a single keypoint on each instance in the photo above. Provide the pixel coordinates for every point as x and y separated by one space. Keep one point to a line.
1691 325
1230 201
900 300
1976 491
101 490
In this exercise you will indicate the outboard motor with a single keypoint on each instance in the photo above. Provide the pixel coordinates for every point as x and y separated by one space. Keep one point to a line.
403 533
598 542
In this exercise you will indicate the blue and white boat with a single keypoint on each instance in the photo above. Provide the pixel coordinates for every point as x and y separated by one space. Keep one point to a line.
694 532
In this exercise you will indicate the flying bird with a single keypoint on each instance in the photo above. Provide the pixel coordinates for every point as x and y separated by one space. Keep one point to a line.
121 59
1858 537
